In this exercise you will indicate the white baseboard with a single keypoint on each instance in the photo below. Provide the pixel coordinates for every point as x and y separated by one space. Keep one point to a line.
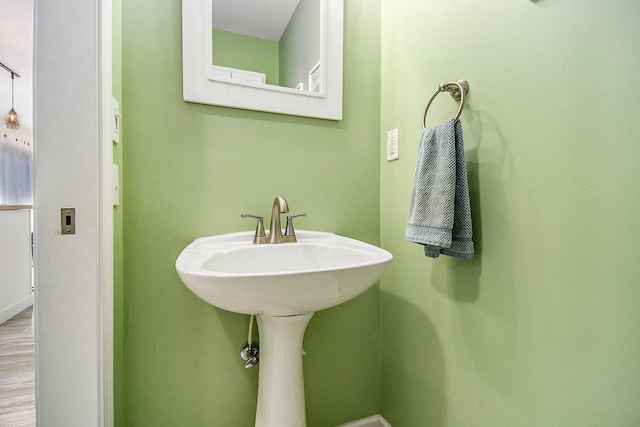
13 309
372 421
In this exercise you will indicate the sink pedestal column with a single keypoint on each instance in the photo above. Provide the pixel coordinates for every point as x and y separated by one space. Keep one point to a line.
280 381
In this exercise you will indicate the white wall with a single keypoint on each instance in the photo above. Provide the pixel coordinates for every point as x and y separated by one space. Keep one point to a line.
15 262
300 44
73 291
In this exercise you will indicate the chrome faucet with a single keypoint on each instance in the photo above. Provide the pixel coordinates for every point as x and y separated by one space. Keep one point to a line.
280 206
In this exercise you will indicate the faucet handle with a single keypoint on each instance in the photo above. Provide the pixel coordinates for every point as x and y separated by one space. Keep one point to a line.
260 234
289 232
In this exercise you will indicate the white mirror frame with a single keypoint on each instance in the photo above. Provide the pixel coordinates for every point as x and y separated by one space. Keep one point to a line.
199 85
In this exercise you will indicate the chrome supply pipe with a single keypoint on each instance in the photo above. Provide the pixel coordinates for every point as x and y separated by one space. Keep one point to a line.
250 352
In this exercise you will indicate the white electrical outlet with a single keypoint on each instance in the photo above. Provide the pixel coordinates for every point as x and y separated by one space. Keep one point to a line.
392 145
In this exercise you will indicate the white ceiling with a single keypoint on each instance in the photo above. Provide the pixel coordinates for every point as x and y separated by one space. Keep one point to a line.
265 19
16 52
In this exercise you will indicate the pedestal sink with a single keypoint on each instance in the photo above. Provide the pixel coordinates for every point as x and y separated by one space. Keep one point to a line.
283 285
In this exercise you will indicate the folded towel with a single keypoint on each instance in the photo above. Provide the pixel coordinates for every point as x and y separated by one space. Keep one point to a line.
440 213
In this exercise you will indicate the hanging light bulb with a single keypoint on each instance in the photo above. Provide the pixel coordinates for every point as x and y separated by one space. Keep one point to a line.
12 120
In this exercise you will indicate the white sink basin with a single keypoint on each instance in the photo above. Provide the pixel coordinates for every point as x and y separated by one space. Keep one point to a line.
319 271
283 285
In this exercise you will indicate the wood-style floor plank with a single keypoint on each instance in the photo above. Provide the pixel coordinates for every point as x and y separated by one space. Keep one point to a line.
17 374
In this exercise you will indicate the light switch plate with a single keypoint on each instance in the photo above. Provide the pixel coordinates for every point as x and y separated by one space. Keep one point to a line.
392 145
68 220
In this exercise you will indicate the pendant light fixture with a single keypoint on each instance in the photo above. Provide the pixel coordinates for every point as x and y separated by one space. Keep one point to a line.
12 120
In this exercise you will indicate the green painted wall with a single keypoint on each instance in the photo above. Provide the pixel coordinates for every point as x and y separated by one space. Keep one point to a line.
247 53
190 171
541 329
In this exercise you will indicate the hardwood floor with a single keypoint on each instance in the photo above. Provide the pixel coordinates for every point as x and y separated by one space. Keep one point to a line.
17 375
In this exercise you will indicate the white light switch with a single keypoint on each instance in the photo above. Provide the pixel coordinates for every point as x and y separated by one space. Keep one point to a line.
392 145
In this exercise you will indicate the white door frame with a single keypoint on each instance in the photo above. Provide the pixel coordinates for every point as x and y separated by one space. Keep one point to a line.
72 163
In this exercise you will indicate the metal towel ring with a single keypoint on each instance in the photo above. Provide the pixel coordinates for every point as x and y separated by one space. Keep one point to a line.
458 90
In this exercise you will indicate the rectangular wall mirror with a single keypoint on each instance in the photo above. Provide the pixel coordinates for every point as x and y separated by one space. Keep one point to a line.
283 56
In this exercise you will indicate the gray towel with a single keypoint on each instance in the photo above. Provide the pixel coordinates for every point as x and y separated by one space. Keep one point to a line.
440 213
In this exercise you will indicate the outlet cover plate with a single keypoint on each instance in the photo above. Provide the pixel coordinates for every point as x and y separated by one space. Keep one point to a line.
392 145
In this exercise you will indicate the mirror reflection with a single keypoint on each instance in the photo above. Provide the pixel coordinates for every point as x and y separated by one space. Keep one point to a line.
276 42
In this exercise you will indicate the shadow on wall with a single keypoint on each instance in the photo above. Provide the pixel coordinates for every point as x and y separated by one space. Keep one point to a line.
459 279
490 340
418 389
544 3
485 148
